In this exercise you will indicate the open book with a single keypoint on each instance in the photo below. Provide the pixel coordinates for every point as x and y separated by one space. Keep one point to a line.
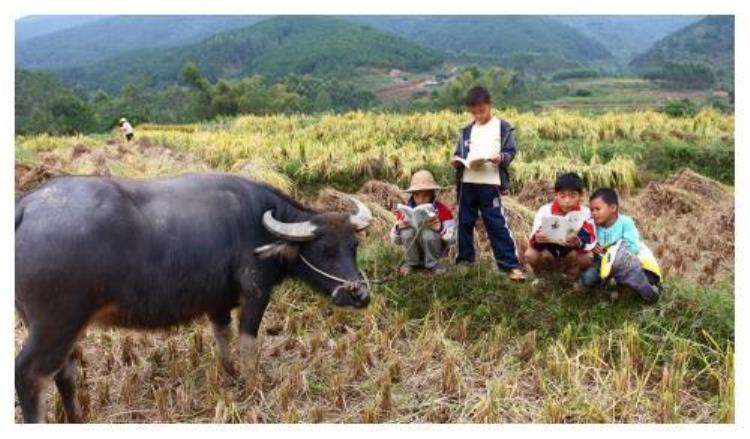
419 215
557 228
473 163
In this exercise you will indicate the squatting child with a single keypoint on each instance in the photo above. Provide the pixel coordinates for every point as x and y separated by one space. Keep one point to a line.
423 247
617 231
574 254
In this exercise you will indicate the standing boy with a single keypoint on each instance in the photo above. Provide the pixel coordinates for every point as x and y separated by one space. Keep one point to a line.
488 143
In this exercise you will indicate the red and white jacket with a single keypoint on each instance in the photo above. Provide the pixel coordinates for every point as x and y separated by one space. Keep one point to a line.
587 232
444 214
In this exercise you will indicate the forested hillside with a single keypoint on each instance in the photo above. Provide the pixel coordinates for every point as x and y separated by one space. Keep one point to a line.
493 35
626 36
32 26
109 37
702 53
274 47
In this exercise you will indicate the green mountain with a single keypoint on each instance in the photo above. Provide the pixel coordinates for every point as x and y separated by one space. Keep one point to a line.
317 45
111 36
627 35
493 35
36 25
708 42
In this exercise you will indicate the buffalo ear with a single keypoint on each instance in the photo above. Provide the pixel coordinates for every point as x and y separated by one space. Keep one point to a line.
279 249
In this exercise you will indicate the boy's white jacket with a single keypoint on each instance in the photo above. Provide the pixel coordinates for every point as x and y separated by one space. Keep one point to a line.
587 231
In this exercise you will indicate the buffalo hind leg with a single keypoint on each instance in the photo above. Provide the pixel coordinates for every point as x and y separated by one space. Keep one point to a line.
36 364
65 379
220 323
30 386
45 352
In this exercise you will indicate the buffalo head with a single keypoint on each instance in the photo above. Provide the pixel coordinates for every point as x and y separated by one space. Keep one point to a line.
323 252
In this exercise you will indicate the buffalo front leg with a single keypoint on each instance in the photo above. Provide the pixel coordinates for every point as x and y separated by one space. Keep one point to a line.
220 324
254 305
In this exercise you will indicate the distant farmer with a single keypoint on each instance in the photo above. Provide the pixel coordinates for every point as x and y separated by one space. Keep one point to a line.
483 153
424 226
126 128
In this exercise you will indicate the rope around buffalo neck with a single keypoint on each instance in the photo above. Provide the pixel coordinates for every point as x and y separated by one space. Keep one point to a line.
346 283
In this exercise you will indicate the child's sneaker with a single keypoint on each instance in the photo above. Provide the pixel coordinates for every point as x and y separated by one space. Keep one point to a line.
656 294
516 275
657 290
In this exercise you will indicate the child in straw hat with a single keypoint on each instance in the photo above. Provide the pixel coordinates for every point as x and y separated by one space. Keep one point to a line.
424 246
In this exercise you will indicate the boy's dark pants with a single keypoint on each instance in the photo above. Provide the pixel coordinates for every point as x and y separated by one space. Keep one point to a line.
484 198
627 271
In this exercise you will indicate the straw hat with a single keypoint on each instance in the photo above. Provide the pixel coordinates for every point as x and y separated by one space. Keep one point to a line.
422 181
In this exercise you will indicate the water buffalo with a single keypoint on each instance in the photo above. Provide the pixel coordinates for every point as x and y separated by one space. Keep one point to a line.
153 254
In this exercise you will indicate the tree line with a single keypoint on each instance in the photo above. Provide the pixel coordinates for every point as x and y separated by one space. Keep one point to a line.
44 104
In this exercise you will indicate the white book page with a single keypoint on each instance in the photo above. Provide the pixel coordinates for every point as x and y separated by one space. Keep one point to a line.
557 228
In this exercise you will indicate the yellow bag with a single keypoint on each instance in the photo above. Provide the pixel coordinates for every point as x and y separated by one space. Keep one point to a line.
645 257
608 260
648 261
